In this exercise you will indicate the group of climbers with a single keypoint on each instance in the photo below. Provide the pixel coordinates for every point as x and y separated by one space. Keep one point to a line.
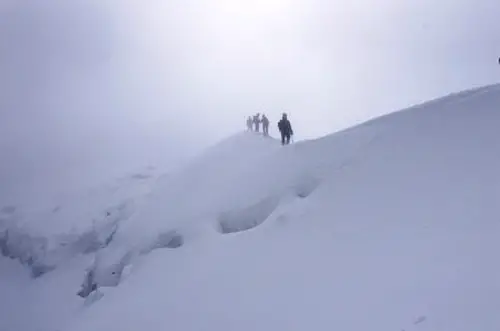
253 123
284 126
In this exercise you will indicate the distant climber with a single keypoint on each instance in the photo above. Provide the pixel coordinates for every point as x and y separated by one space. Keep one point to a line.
265 125
286 130
249 123
256 122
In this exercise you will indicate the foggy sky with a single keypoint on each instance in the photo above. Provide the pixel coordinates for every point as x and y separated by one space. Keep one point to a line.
91 88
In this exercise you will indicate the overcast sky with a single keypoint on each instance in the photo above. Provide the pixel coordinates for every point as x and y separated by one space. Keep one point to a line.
100 86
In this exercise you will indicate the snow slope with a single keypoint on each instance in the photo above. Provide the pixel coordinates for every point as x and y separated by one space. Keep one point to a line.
389 225
51 245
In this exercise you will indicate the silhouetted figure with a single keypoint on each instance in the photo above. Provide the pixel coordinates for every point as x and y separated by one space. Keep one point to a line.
285 128
249 123
265 125
256 122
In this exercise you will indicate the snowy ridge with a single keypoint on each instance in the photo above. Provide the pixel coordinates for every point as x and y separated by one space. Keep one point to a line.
389 225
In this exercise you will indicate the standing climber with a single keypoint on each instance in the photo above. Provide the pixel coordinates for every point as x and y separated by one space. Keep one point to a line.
285 128
265 125
249 123
256 122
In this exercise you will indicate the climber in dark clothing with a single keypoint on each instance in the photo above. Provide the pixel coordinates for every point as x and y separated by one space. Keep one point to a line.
265 125
256 122
285 128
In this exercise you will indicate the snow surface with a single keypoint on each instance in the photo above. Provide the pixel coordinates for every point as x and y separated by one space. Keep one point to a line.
78 222
389 225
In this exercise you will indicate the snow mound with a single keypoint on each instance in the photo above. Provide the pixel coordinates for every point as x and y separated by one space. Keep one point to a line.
389 225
